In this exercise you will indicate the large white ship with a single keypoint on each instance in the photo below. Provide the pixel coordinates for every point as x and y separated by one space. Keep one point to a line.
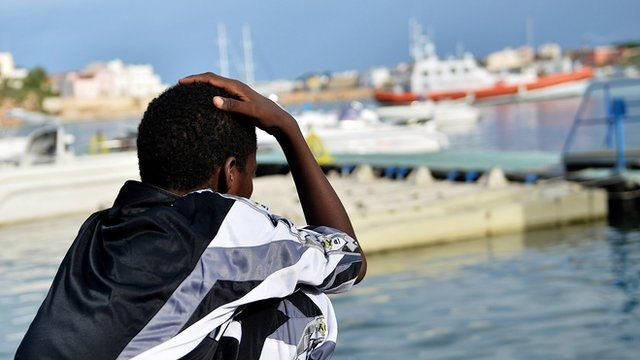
461 77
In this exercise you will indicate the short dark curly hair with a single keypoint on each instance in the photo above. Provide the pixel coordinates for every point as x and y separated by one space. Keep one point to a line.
183 137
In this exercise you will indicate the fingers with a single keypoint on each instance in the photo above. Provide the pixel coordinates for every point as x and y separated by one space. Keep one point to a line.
232 105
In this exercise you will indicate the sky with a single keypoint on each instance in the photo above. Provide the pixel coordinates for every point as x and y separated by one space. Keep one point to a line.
292 37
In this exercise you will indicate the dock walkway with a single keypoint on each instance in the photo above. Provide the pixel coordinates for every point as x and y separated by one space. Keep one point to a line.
509 161
387 213
393 214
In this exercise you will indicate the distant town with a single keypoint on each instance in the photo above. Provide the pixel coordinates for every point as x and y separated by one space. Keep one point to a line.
114 89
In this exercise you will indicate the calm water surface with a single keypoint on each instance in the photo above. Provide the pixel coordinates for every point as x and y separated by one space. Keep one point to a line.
539 126
562 294
565 293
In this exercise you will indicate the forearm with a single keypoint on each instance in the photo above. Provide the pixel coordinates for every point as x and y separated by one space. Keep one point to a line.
320 203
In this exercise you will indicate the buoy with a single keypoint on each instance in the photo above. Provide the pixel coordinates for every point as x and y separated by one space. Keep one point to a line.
98 144
318 149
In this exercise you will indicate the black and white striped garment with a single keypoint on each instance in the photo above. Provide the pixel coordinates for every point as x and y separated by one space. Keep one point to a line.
159 276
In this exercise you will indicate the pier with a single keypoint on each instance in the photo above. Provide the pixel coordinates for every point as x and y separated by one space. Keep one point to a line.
401 200
392 214
410 208
609 109
450 164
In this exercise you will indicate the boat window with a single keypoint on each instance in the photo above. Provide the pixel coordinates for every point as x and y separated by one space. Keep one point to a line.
21 131
43 144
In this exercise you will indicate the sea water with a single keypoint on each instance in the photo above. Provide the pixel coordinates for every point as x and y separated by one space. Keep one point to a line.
570 292
540 126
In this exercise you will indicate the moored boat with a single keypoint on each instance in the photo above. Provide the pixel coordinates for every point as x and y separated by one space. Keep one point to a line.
438 79
356 130
442 114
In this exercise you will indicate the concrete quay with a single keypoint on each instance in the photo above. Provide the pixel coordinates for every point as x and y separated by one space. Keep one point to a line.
387 214
394 214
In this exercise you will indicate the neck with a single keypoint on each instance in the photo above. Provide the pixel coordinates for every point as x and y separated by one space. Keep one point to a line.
185 192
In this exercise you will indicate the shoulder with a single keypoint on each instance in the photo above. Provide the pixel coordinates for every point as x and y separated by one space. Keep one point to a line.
241 221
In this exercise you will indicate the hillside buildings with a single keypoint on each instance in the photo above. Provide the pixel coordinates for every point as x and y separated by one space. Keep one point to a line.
9 71
112 79
104 90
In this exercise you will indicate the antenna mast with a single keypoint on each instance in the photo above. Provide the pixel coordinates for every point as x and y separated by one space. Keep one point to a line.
421 46
222 50
529 31
248 54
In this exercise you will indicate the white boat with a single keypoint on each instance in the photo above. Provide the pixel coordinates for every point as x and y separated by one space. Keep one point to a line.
32 117
454 114
444 114
382 138
570 89
417 111
35 144
357 130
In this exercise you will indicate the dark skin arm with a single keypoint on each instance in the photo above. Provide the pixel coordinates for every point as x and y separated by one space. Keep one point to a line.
320 203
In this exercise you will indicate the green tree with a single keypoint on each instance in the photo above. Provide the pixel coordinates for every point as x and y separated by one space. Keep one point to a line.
28 93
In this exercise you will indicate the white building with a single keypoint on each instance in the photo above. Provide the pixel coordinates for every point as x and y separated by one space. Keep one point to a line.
113 79
8 70
281 86
510 59
550 51
379 77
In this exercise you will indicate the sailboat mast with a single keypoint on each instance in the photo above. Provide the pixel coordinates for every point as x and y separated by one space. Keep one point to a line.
529 32
222 50
248 54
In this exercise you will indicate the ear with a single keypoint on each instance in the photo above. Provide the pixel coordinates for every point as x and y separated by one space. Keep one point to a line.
230 174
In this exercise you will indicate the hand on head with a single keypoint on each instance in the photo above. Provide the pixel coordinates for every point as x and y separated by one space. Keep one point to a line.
268 115
319 201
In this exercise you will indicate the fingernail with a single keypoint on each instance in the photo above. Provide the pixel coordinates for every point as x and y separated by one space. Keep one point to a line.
218 102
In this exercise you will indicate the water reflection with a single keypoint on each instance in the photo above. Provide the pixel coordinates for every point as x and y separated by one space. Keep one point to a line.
547 294
625 246
540 126
568 292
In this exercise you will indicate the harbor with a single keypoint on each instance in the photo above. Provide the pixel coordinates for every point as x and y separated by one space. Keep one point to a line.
497 180
487 158
380 208
466 205
499 185
494 191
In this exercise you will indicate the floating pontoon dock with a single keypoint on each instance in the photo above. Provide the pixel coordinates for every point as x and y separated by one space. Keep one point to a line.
407 211
445 160
391 214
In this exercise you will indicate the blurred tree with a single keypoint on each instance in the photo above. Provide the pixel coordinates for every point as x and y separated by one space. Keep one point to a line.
28 92
36 80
